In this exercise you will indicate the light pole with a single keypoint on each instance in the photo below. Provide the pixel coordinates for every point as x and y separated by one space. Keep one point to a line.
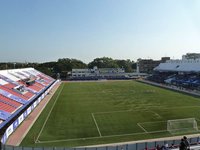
14 65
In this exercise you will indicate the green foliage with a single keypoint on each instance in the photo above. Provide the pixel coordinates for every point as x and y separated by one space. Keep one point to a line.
126 64
65 65
104 62
123 111
62 66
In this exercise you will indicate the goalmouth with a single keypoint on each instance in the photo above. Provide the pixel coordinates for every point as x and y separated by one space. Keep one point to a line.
178 126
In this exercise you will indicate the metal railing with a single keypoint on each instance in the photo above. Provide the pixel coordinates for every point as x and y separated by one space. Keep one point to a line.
136 146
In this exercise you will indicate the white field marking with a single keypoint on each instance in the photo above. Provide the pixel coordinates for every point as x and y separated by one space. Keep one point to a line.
155 113
108 136
37 139
110 112
150 122
145 109
169 108
182 129
142 127
123 134
180 107
181 119
186 118
96 125
152 105
164 107
162 121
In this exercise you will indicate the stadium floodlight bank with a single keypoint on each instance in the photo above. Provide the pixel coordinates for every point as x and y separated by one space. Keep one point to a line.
177 126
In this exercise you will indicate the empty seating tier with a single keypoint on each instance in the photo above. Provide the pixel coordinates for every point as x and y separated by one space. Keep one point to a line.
7 107
14 93
12 102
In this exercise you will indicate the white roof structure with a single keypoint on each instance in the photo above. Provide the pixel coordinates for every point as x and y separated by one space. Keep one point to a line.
189 65
12 74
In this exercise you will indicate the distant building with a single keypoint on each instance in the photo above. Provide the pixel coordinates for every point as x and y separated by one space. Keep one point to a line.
147 65
164 59
193 56
97 72
83 72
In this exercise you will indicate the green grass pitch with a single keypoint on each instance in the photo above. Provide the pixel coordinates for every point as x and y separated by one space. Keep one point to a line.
89 113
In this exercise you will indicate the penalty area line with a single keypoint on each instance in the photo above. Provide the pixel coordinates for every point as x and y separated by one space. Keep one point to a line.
98 137
142 128
96 125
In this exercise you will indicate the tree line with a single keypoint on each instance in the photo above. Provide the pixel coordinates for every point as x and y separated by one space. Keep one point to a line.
64 65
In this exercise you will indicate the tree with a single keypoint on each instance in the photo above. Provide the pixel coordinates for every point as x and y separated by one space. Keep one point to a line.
104 62
126 64
65 65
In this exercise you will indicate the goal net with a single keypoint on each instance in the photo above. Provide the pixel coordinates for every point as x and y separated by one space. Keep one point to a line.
182 125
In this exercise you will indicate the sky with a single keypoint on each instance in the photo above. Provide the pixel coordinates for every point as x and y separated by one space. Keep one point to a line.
46 30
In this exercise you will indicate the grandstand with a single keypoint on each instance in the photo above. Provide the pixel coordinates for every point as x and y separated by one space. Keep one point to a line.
19 89
182 73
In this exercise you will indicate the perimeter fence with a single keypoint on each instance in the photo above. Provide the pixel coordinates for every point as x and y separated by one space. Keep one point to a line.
170 144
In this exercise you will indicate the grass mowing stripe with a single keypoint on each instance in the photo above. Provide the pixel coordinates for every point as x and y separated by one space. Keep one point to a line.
96 124
37 139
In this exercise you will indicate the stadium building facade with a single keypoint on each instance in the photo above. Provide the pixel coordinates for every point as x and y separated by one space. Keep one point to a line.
98 73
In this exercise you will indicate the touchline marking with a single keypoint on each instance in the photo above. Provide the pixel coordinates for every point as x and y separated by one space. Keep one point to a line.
142 128
96 125
37 139
107 136
150 122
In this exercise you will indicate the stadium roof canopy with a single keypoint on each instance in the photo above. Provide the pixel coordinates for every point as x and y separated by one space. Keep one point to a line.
179 66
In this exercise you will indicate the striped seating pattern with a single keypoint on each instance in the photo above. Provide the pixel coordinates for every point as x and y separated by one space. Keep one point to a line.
7 107
16 104
14 93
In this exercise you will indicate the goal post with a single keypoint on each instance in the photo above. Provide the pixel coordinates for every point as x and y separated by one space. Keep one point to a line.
182 125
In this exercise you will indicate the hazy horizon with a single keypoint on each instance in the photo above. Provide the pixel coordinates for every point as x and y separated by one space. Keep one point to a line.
46 30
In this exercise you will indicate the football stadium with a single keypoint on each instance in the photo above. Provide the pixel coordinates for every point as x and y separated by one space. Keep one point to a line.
105 112
99 74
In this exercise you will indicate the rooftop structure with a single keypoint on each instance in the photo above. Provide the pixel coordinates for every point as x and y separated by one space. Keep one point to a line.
189 63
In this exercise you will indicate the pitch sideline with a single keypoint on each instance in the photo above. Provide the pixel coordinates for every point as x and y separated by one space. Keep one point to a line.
37 139
98 137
